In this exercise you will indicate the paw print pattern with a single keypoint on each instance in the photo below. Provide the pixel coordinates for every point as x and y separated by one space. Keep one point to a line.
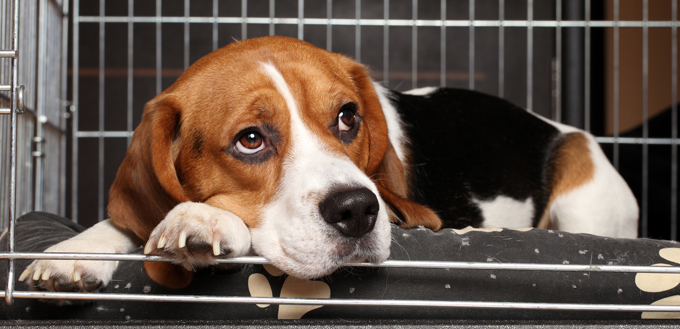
293 287
658 282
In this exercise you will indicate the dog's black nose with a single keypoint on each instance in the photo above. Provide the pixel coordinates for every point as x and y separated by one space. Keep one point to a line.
352 212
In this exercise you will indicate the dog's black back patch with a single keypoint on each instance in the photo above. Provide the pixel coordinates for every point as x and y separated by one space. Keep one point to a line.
467 145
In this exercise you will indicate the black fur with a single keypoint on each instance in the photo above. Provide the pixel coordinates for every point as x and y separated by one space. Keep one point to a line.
465 145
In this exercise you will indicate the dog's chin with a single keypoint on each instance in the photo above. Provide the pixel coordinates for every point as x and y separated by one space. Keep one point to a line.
324 267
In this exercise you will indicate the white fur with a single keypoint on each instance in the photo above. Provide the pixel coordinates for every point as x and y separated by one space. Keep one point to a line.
102 238
292 233
424 91
395 130
215 227
603 206
503 211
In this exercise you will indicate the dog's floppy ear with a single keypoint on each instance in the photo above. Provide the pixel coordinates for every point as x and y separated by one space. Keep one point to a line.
146 187
384 167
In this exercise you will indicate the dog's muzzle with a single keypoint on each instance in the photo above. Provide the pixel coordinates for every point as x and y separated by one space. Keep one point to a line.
353 213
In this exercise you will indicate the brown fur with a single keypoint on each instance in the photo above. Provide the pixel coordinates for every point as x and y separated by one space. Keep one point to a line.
570 167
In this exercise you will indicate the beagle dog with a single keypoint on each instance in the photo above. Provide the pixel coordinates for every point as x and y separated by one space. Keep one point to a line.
274 147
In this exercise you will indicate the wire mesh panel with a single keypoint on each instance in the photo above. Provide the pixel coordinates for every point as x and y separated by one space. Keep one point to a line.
563 59
40 179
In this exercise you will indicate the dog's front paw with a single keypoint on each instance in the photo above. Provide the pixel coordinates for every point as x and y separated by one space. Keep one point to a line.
71 275
195 234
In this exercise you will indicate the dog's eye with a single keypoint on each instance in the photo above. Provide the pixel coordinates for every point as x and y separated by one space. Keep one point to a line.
347 117
250 142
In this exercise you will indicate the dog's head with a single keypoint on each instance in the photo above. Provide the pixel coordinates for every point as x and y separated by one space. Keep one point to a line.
290 138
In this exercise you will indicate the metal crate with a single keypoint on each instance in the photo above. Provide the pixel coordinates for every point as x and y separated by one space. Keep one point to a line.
124 53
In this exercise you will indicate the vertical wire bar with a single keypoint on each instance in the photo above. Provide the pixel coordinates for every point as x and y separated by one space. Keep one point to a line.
64 103
386 43
40 103
558 63
645 115
9 298
357 30
530 53
674 122
301 17
414 46
186 33
159 49
471 46
442 45
131 6
244 14
501 49
272 14
215 13
616 85
586 80
102 35
329 27
74 97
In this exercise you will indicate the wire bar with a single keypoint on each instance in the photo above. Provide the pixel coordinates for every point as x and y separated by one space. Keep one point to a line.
379 22
329 27
357 31
244 18
636 140
186 35
349 302
586 75
644 231
530 55
615 119
5 87
105 134
501 48
9 288
7 53
448 265
414 45
471 46
557 92
442 45
102 65
130 59
75 120
386 42
674 123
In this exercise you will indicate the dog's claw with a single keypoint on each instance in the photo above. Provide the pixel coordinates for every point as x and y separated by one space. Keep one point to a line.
24 275
46 275
76 276
216 247
148 248
161 241
37 273
182 239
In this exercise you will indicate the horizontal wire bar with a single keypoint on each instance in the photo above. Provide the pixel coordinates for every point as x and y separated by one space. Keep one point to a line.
96 134
372 22
386 264
347 302
5 87
637 140
5 111
7 53
604 140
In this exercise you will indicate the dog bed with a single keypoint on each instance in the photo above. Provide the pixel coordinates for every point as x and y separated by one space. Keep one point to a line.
37 231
